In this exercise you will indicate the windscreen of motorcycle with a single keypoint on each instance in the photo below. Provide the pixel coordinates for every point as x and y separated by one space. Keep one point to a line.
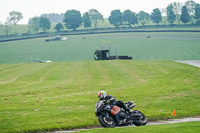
115 110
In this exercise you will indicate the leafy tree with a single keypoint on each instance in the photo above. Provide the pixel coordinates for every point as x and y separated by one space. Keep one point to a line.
144 17
177 10
95 16
72 19
184 15
15 17
171 17
190 4
86 20
197 13
115 18
45 23
34 24
58 27
129 18
156 16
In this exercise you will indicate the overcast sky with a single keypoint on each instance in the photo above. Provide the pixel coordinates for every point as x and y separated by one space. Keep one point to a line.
31 8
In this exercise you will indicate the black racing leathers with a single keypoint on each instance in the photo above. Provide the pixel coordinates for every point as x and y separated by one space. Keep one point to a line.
111 99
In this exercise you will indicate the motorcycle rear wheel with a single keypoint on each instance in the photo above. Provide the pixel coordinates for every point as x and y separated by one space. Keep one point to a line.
140 121
105 122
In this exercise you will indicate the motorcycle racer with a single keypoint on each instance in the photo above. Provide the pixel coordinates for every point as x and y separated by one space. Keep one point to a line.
102 95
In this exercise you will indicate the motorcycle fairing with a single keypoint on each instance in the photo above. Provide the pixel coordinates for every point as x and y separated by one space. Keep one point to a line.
115 110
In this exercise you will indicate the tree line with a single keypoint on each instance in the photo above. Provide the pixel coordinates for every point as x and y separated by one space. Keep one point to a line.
189 12
72 19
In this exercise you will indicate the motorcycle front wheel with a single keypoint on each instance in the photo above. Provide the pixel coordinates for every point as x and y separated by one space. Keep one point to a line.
141 120
106 122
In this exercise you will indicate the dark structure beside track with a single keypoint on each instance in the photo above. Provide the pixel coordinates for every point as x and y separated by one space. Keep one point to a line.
120 58
105 55
101 55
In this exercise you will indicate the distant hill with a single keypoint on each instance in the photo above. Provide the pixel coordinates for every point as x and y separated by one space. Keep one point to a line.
53 17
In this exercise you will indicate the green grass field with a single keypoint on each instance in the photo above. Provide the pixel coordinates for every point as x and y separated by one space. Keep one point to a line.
62 94
55 96
161 46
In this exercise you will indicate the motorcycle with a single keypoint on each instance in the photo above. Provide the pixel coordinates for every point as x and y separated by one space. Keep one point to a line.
110 115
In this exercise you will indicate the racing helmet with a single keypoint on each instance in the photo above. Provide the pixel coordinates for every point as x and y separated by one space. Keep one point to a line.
101 94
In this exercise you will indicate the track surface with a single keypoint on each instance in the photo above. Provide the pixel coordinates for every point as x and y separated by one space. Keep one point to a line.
191 62
188 119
